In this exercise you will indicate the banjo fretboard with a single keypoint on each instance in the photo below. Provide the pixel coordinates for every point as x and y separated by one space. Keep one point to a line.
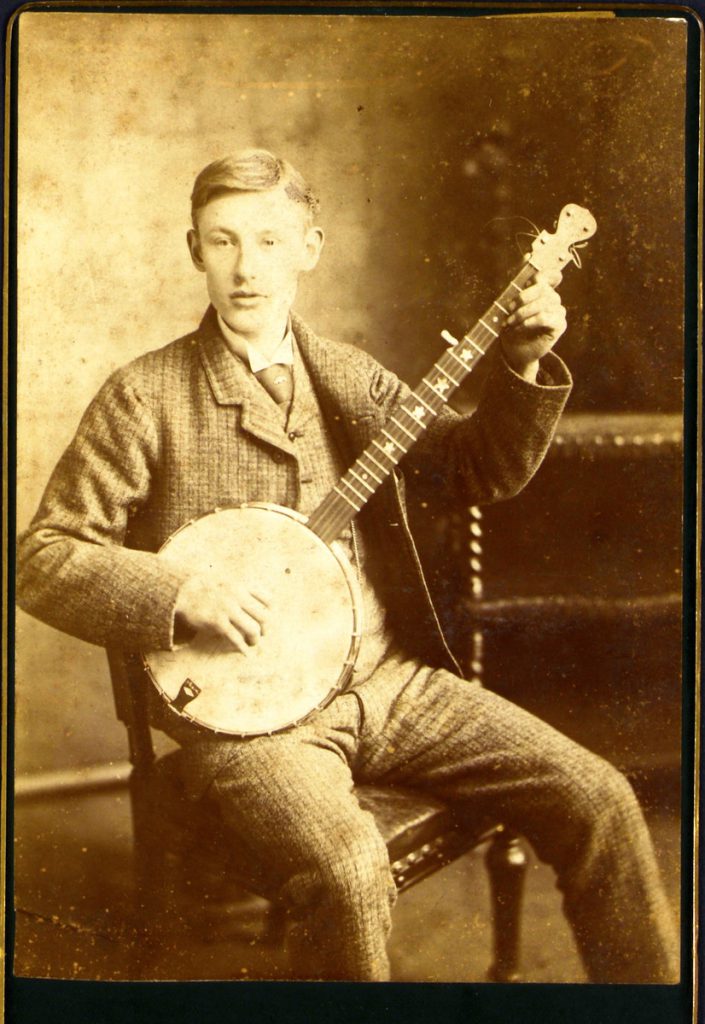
412 417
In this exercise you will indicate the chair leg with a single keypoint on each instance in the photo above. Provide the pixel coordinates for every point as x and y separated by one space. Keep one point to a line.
506 866
149 881
148 864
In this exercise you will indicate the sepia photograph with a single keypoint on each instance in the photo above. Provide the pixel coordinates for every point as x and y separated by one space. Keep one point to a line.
351 367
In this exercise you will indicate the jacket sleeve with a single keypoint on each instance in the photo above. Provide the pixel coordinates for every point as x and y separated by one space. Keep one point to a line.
492 453
73 571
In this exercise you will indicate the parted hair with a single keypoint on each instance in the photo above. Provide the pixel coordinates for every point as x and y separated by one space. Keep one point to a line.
250 170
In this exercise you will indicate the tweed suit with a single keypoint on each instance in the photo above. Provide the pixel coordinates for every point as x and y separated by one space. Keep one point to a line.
143 463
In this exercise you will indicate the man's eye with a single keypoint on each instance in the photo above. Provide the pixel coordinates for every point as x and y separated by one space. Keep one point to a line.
270 241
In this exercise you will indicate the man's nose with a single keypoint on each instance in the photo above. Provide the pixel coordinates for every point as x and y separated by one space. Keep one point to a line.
245 264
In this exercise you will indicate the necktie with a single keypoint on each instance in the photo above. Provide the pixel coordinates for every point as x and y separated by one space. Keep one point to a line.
277 380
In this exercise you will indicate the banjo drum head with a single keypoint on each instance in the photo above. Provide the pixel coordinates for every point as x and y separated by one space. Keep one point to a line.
312 633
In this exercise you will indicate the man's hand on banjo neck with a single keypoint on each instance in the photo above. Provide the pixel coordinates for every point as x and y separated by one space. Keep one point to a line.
536 322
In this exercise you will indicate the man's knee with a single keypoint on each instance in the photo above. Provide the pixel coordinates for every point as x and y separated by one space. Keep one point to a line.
616 792
597 794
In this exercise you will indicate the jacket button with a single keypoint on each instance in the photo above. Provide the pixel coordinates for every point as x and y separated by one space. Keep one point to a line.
294 434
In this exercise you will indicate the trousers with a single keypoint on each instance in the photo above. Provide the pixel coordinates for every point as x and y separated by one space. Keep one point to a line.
290 795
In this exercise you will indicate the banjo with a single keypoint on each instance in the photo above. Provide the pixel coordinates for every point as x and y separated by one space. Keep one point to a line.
314 629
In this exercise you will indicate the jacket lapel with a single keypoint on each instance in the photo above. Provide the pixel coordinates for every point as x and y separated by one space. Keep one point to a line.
342 390
232 384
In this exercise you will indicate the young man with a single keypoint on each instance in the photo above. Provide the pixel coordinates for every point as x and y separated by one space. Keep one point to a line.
254 407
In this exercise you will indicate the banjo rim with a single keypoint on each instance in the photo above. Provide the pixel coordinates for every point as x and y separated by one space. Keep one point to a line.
334 548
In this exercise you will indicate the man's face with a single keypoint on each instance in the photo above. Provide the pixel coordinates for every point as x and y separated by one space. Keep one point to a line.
252 246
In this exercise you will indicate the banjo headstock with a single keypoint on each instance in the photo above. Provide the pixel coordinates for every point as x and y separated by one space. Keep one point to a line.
551 251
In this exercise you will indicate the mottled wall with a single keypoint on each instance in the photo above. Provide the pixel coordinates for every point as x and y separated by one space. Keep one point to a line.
427 139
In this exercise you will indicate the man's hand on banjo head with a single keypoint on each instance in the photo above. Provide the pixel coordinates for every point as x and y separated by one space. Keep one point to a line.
209 601
536 322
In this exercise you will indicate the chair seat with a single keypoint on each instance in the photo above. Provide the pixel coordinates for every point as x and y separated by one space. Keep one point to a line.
421 833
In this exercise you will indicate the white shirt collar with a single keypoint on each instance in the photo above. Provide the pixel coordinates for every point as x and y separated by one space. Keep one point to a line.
283 353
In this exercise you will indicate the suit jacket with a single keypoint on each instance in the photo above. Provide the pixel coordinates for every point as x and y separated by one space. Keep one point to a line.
185 429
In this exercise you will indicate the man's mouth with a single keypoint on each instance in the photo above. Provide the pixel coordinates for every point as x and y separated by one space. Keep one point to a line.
243 296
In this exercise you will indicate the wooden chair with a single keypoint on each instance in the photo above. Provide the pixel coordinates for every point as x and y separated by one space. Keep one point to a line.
171 834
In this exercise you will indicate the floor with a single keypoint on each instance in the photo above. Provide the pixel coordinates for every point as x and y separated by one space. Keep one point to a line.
73 900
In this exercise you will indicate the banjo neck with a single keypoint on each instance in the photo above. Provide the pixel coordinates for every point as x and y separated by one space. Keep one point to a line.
417 411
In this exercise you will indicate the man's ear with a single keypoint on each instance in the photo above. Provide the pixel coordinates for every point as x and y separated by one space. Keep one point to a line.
194 247
313 244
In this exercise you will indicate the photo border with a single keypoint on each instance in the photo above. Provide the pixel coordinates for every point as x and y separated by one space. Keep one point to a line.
29 1000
